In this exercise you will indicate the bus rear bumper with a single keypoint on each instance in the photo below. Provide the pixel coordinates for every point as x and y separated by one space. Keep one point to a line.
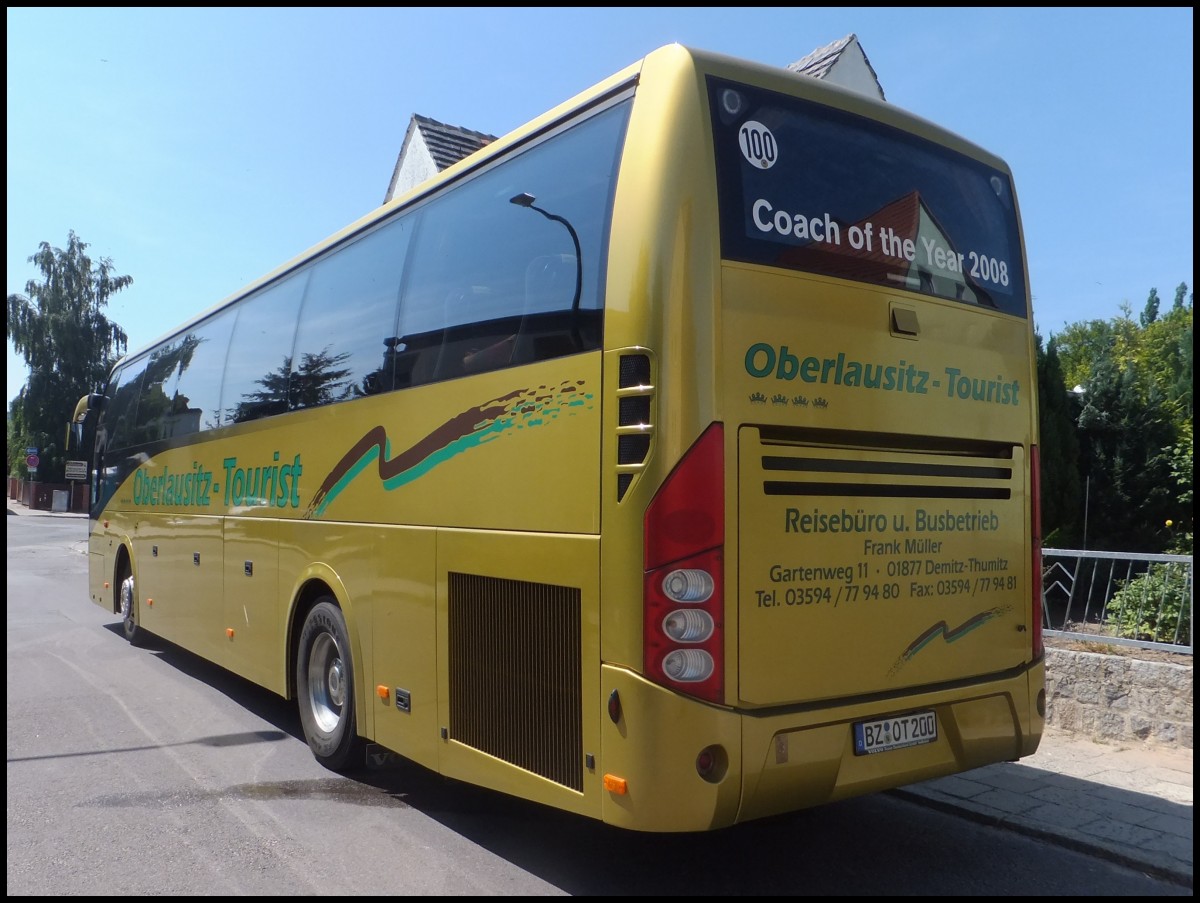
775 763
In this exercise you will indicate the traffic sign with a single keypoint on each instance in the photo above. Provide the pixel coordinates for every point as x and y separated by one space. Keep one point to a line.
77 470
32 462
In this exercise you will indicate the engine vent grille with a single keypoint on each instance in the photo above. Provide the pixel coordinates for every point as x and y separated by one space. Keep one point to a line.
515 690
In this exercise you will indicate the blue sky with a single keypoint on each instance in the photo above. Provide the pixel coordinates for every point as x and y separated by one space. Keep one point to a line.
199 149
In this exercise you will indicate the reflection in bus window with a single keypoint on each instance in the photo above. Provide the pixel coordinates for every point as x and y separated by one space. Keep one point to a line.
349 314
263 334
487 272
196 392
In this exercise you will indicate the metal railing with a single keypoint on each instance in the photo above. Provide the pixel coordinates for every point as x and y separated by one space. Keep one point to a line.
1119 598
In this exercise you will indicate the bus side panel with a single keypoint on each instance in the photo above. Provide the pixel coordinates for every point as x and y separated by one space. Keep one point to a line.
253 615
177 563
393 588
102 560
515 449
518 645
382 578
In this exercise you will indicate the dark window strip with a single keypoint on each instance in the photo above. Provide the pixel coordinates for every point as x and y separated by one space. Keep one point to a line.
825 465
860 490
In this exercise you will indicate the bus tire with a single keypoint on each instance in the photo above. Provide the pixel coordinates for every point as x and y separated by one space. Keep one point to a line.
325 687
134 632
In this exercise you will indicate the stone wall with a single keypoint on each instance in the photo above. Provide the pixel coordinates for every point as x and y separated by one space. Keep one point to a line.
1120 698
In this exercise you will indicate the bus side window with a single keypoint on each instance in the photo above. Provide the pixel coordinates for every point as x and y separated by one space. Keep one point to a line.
201 371
119 414
549 286
348 318
263 336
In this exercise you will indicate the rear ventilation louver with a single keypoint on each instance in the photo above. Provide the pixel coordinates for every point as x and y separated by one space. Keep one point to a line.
635 428
515 674
876 466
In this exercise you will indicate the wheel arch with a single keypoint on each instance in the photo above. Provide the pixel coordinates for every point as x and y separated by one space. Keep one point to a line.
122 564
314 583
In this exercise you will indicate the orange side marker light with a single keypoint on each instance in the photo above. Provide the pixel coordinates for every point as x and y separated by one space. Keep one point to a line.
614 784
229 632
383 692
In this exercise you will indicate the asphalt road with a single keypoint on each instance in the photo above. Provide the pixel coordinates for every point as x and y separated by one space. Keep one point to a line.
148 771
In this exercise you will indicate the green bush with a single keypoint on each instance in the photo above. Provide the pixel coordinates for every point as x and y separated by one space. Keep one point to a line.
1155 606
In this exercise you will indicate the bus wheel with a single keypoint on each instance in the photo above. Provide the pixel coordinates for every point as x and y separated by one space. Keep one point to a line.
129 613
325 687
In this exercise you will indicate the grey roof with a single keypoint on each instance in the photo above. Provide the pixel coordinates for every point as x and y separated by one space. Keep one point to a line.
818 63
449 143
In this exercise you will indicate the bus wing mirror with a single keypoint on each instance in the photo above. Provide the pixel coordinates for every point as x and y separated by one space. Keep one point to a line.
90 402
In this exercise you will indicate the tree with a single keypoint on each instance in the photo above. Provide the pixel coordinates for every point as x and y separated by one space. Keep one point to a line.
1164 355
1134 416
1182 460
1128 441
1080 345
68 343
1150 313
320 379
1062 496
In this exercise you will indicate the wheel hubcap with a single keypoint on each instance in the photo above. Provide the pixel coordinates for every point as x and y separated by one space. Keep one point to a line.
326 682
126 600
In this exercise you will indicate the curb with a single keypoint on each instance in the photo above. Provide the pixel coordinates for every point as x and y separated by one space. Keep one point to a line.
1072 841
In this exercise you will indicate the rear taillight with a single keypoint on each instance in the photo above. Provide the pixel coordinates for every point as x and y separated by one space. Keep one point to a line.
684 608
1035 488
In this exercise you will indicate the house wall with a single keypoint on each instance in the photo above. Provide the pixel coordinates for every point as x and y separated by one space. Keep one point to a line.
852 71
416 167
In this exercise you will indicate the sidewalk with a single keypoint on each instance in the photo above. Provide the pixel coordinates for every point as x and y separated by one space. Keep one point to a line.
17 508
1129 803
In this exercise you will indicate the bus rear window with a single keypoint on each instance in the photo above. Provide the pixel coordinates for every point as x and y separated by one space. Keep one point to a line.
809 187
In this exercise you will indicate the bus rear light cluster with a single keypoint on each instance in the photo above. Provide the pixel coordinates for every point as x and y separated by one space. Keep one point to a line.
684 632
683 626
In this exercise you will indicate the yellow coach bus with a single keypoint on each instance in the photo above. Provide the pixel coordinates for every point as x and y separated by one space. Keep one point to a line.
671 461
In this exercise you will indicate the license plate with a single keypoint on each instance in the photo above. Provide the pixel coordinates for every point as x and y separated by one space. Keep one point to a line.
901 731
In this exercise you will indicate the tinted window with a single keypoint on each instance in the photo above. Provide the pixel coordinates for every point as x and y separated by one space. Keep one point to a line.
121 408
809 187
260 352
348 321
196 391
507 268
153 401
